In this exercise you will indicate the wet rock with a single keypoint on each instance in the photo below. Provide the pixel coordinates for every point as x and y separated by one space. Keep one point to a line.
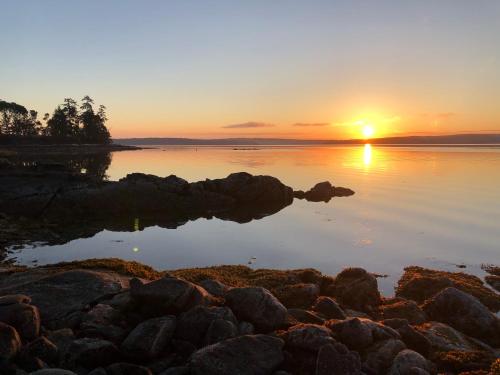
258 306
380 355
59 294
406 361
329 308
149 338
90 353
44 349
168 295
23 317
214 287
358 333
445 338
494 281
410 336
244 355
465 313
403 309
305 316
337 359
220 330
10 342
419 284
307 336
297 295
193 324
356 288
122 368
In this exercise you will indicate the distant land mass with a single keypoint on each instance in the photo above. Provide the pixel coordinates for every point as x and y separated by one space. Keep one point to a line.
456 139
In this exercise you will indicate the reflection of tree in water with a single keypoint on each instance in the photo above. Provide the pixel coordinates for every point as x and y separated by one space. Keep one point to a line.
94 165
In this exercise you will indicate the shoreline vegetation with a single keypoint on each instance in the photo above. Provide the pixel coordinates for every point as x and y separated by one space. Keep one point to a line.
111 316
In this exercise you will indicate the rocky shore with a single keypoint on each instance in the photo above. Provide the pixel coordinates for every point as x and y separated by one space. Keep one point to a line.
111 317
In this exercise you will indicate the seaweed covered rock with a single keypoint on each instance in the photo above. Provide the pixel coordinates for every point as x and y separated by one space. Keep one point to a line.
356 288
23 317
456 361
465 313
419 284
328 308
403 309
300 295
10 342
244 355
258 306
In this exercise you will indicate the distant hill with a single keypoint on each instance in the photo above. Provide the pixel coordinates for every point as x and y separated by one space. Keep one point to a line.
457 139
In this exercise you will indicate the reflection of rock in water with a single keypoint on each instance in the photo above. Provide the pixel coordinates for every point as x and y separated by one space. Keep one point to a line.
59 205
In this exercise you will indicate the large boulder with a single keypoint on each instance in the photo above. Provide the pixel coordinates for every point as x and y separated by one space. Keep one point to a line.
258 306
307 336
419 284
219 330
149 338
465 313
244 355
337 359
356 288
59 294
412 338
300 295
192 325
406 361
359 333
168 295
10 342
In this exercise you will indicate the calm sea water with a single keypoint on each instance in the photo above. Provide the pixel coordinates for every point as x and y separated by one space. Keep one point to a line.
438 207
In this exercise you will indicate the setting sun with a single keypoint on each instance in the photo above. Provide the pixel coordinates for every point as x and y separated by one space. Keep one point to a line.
368 131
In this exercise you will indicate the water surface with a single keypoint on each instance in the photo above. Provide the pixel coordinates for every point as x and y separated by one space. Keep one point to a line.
437 207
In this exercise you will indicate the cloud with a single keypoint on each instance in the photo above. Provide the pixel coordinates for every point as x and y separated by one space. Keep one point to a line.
314 124
439 116
250 124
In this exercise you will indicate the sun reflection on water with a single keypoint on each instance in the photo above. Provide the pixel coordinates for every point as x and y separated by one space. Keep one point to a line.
367 154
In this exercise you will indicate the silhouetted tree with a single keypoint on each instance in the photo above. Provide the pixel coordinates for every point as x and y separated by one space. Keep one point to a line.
93 125
17 120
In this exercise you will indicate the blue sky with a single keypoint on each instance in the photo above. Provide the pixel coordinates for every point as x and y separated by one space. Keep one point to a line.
191 68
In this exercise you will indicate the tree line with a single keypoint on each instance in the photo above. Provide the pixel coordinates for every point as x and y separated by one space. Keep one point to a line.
69 123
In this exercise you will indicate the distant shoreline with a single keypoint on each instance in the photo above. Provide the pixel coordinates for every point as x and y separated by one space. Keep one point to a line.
418 141
66 149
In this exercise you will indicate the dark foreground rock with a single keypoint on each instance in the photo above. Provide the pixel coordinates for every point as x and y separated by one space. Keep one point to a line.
99 322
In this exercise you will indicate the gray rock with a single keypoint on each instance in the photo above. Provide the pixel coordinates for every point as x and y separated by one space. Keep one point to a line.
220 330
305 316
44 349
244 355
149 338
337 359
406 361
10 342
90 353
307 336
193 324
356 288
258 306
329 308
214 287
122 368
59 294
168 295
24 318
100 322
465 313
380 355
410 336
62 338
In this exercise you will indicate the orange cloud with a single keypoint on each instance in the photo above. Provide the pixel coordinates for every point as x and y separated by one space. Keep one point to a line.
250 124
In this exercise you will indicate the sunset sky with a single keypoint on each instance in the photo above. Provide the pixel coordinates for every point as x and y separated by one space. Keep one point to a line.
295 69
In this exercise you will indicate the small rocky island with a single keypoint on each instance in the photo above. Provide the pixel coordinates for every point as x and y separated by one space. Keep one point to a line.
111 317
